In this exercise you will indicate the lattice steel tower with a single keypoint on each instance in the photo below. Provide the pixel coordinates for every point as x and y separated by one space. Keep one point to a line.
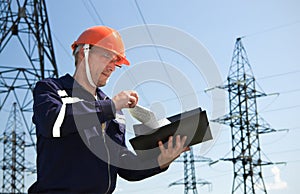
13 154
246 125
27 55
24 22
189 181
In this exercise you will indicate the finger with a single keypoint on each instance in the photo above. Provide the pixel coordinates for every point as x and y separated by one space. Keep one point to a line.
183 140
137 97
161 147
132 100
134 93
178 142
170 143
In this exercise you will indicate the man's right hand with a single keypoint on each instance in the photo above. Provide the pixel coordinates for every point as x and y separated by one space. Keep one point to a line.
125 99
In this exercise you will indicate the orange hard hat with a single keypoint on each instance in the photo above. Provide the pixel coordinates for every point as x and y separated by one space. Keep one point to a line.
104 37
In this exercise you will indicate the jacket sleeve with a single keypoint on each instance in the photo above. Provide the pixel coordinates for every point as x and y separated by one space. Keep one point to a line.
135 169
79 115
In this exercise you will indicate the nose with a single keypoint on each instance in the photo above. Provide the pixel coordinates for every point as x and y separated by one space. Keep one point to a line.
111 66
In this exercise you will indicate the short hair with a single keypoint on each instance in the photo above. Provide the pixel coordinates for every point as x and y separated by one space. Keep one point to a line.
75 53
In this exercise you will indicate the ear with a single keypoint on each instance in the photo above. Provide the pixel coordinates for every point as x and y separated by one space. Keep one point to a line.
80 54
79 57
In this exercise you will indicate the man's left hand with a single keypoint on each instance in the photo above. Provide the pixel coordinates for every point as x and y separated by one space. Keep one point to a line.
169 154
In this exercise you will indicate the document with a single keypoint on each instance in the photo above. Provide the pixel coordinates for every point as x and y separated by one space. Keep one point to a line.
147 117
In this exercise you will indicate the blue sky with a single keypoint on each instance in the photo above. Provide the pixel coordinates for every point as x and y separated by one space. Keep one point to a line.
271 38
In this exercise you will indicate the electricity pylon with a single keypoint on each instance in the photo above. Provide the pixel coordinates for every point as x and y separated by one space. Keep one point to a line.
246 125
13 163
27 55
24 22
189 181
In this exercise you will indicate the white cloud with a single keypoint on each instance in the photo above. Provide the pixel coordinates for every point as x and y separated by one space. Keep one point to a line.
278 184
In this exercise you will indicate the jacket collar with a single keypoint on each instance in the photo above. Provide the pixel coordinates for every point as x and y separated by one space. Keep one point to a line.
74 88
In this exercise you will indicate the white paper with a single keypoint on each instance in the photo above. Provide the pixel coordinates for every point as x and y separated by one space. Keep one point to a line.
147 117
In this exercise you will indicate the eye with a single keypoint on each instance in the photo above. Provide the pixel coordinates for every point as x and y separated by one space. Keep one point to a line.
107 56
116 60
112 58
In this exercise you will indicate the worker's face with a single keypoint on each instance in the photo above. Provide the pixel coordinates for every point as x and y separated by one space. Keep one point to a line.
102 64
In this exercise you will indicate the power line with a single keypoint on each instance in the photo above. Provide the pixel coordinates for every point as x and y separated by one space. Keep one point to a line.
282 108
273 110
279 75
152 40
290 91
62 46
285 151
272 29
88 10
94 10
293 161
294 128
158 54
262 111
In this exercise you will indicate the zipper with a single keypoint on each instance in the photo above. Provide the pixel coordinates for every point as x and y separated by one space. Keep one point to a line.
103 126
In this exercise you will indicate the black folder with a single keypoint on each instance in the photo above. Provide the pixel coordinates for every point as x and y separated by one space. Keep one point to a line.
193 124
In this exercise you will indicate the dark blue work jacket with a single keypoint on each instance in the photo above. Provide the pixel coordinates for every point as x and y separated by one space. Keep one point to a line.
81 141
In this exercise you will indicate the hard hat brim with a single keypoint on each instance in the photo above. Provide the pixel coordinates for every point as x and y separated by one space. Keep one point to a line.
121 62
124 61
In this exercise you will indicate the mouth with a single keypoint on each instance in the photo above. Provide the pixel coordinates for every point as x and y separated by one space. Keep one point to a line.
105 74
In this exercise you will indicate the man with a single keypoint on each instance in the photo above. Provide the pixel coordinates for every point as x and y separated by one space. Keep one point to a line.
81 132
